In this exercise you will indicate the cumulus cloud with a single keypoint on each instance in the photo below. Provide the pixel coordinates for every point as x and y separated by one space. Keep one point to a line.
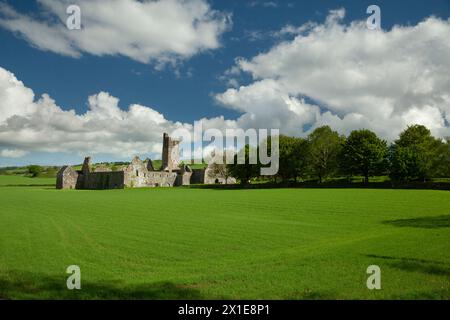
349 77
265 104
13 153
161 31
345 76
30 124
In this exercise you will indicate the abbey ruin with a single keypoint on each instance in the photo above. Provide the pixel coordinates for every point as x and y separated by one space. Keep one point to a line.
138 173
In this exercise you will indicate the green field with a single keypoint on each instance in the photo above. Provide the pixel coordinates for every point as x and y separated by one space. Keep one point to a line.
183 243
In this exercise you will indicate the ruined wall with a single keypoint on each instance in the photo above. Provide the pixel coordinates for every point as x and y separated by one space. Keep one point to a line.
209 179
150 166
104 180
80 180
198 176
170 153
66 178
162 179
168 179
145 178
203 176
136 174
183 179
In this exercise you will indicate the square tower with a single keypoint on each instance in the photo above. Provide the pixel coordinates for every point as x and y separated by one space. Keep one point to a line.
170 154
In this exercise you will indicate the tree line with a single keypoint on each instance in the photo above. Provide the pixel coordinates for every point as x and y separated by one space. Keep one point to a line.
324 154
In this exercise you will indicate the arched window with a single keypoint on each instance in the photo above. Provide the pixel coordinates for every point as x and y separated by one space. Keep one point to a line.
137 173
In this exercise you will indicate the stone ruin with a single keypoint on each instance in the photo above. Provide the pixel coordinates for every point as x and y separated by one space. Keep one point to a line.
137 174
170 154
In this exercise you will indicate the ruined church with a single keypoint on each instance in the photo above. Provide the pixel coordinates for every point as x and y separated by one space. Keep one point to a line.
138 173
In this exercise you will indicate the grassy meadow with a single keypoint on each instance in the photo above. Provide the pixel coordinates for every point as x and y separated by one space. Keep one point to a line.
183 243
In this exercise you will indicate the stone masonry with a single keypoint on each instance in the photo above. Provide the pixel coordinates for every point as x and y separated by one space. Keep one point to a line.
135 175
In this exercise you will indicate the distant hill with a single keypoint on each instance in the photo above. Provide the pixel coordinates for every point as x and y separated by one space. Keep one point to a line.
51 171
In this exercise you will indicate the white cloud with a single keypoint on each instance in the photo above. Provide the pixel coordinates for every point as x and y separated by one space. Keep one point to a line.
160 31
265 4
381 80
27 124
13 153
265 104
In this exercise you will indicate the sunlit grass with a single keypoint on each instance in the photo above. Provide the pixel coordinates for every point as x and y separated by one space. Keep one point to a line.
240 244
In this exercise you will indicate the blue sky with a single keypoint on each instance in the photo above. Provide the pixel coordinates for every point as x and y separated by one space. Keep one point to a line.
185 92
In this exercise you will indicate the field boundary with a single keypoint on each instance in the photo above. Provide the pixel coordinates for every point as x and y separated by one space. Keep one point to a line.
332 185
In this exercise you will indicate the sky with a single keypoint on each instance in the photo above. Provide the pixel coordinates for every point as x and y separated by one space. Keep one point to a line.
137 69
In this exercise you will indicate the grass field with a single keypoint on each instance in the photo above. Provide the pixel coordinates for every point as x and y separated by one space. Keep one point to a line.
19 181
182 243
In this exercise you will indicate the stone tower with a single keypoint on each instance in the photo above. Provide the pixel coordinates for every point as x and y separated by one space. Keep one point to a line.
170 154
86 166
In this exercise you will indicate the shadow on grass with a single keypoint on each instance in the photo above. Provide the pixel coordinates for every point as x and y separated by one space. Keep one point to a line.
443 294
19 285
338 184
422 222
430 267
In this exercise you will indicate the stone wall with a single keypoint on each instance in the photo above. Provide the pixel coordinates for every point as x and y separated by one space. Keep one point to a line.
170 154
66 178
104 180
203 176
183 179
198 176
136 174
163 179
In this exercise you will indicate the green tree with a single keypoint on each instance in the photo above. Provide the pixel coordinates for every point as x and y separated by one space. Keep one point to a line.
35 170
324 146
446 152
292 153
417 155
364 153
246 171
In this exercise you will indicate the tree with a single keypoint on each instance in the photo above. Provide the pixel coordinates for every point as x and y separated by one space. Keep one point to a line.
292 153
324 146
35 170
364 153
246 171
417 155
446 152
